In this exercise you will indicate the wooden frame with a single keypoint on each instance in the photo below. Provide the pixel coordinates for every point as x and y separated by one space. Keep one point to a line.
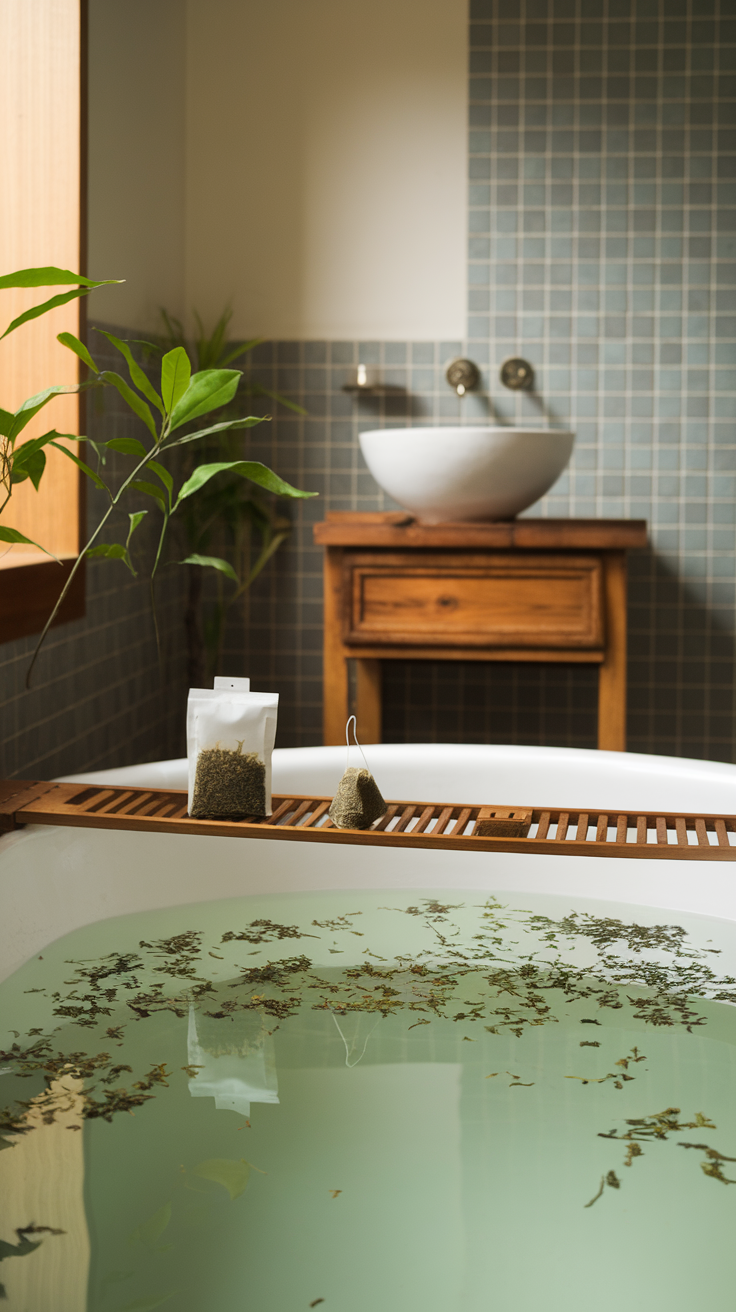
45 161
379 546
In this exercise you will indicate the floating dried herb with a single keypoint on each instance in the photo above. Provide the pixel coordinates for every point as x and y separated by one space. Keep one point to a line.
229 784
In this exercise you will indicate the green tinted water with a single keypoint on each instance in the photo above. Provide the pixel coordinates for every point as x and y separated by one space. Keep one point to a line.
371 1101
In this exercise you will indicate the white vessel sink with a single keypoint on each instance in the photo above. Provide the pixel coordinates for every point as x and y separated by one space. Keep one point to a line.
442 474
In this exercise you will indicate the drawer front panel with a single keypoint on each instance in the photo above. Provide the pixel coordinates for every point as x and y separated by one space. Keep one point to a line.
548 601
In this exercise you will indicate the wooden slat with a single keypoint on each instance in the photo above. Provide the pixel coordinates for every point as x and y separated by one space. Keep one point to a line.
386 819
424 819
164 811
317 813
301 810
279 811
443 819
406 818
462 820
702 832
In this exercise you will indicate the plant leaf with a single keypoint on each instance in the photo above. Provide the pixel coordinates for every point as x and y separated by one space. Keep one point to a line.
131 398
12 535
129 446
250 422
176 372
255 389
151 1230
73 343
232 1175
139 378
22 453
37 310
30 466
50 276
84 468
250 469
240 350
135 519
25 412
212 562
163 474
207 391
22 1249
6 421
114 551
149 490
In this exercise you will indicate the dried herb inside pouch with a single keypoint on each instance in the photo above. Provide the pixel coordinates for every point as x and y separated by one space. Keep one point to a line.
228 784
358 801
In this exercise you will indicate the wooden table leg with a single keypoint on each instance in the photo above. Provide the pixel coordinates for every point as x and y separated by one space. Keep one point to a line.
335 697
368 700
612 673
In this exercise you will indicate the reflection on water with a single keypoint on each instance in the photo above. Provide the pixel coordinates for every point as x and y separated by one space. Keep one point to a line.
476 1107
234 1065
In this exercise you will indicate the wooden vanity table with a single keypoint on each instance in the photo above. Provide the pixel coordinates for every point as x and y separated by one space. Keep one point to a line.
522 590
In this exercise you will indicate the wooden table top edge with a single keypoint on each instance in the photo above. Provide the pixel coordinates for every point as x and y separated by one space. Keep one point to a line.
396 529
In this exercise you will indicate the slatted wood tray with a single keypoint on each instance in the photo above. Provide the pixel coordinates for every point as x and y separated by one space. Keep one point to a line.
406 824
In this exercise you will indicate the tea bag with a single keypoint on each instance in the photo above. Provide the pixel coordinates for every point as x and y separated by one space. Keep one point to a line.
358 801
230 737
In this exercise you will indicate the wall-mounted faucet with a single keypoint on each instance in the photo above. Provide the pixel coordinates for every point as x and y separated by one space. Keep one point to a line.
462 375
517 374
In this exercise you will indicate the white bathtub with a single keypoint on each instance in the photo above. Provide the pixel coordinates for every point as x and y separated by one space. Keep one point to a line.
53 880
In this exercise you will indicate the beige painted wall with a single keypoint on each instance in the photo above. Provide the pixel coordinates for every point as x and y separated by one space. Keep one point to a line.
326 166
137 157
324 181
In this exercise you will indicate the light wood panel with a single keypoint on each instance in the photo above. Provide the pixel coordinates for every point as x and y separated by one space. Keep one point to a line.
40 225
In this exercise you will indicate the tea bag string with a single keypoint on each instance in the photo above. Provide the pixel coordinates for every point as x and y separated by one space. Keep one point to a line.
354 723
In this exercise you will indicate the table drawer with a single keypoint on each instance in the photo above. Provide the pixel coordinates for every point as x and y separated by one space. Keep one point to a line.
467 601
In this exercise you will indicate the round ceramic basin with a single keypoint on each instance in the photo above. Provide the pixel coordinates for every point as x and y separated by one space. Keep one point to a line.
442 474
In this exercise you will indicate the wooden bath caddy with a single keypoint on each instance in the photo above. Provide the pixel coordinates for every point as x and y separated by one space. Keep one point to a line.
406 824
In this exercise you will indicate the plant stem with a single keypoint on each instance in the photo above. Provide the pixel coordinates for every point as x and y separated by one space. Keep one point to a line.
141 465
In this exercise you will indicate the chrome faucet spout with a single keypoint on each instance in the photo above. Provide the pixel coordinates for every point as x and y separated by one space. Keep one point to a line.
462 375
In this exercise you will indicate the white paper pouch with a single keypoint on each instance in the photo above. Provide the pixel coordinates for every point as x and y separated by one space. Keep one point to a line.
230 736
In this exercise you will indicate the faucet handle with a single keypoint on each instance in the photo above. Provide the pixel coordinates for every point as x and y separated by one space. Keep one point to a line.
462 375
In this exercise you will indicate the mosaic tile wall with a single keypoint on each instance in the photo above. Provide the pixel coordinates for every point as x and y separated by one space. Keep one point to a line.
603 248
98 698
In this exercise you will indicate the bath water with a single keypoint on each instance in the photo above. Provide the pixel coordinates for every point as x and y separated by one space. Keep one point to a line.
372 1101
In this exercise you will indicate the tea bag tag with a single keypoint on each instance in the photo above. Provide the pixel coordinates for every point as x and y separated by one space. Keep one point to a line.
226 684
358 801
